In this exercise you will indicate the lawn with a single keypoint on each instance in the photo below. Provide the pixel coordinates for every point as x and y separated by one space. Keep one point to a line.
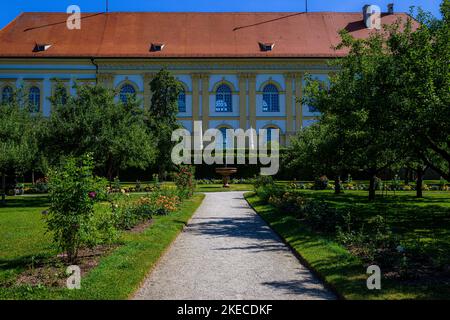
118 275
213 187
220 188
424 220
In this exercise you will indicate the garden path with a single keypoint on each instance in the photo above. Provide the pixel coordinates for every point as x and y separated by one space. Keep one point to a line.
227 251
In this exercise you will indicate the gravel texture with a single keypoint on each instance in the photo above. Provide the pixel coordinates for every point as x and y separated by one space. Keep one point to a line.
228 252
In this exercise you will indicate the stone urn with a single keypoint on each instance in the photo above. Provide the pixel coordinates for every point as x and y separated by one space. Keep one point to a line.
226 172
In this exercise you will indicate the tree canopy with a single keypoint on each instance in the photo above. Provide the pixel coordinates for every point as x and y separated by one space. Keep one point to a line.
162 115
95 121
389 99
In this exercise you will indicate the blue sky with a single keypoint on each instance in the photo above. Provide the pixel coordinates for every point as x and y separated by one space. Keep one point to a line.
12 8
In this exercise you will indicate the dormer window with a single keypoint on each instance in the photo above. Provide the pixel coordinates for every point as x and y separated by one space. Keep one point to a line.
39 47
266 46
157 47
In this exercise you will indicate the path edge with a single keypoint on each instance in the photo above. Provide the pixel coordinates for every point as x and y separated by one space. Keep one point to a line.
164 252
299 257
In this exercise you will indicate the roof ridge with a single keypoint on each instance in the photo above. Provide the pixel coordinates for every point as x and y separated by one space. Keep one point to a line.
203 12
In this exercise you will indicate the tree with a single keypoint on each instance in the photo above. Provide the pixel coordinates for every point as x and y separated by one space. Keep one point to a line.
317 150
420 89
72 190
18 142
357 99
162 115
96 122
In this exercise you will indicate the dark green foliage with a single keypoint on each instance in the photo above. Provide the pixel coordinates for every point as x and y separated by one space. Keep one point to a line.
18 138
72 193
162 116
95 121
386 106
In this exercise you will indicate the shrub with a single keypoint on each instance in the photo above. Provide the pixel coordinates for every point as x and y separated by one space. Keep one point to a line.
138 187
288 202
101 228
407 188
164 201
261 181
320 216
293 185
70 216
42 185
321 183
184 180
128 213
265 192
116 185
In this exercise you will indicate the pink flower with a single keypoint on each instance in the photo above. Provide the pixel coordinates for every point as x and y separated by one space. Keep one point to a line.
92 194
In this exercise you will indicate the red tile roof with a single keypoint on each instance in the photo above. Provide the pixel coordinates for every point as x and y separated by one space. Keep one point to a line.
189 35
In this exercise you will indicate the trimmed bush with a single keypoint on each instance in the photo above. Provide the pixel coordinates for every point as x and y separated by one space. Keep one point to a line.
72 192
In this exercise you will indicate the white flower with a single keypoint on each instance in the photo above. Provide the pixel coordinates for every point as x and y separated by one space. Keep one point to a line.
400 249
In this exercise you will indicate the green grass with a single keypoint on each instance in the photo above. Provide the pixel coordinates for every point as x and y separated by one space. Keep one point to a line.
220 188
202 187
118 274
428 217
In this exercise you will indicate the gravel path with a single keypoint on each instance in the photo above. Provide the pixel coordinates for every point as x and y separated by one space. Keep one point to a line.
228 252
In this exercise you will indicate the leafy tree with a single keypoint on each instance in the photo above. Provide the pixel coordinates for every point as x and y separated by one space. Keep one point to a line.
357 100
390 97
317 150
420 89
95 121
162 115
72 192
18 138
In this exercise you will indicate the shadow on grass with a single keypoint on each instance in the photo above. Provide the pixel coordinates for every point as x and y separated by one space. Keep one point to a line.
26 201
22 262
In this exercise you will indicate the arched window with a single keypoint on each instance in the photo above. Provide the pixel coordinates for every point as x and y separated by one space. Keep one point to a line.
182 101
271 101
224 101
34 99
7 94
125 91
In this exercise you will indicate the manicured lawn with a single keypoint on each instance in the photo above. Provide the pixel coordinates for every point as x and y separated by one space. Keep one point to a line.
118 274
203 187
22 235
219 188
426 220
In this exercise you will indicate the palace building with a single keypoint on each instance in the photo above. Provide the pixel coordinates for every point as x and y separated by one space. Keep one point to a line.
238 70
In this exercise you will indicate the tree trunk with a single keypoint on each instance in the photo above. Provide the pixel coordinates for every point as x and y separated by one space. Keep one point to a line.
419 182
110 172
372 186
3 189
407 176
337 184
162 173
32 177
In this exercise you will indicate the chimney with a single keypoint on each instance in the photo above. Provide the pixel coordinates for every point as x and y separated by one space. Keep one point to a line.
391 8
365 12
